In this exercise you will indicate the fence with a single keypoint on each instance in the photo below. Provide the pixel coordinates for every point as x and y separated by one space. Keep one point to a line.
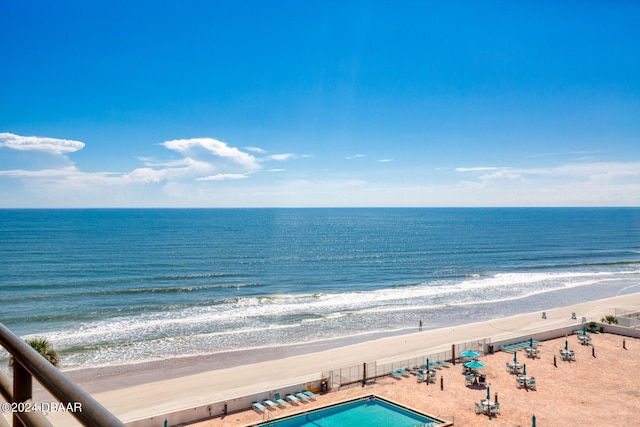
369 371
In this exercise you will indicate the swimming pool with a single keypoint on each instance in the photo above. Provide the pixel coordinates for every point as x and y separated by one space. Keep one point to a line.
369 411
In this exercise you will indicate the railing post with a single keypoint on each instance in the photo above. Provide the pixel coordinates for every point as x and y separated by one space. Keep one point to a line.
22 387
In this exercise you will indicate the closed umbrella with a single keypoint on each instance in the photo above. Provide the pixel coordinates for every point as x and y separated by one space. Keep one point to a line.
531 342
427 365
533 421
566 344
488 393
515 357
524 369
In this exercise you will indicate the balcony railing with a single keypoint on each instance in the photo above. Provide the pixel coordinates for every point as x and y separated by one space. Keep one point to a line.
28 364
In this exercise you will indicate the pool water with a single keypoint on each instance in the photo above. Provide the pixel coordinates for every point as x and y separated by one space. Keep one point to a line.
362 412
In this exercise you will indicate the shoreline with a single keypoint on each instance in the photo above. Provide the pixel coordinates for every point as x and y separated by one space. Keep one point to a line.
113 377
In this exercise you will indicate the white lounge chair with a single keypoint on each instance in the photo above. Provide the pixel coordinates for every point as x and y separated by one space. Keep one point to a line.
258 407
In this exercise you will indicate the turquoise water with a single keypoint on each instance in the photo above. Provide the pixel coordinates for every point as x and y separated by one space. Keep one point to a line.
361 413
113 285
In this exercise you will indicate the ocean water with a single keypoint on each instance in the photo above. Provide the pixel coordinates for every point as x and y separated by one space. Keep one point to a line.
108 286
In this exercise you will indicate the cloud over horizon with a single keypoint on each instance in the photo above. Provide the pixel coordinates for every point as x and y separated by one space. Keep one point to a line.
37 143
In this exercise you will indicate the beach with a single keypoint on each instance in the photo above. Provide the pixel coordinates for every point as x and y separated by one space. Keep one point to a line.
141 391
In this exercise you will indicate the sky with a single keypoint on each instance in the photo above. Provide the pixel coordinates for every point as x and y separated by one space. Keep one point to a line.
319 103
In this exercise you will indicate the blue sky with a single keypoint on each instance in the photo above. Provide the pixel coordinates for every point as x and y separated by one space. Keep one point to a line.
319 103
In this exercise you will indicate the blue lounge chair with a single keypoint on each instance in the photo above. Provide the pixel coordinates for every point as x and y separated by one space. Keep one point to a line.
279 400
311 395
292 399
271 405
479 408
395 374
302 397
258 407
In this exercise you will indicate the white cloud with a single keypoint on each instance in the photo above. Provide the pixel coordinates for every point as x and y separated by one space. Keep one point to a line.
357 156
191 148
255 150
480 169
384 160
282 157
37 143
223 177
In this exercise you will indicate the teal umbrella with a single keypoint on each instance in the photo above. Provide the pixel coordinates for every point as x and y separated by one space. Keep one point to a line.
469 354
566 344
474 364
533 421
531 342
515 357
427 365
488 393
524 369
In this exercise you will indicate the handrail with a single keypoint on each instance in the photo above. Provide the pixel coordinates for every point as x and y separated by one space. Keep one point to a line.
91 412
34 419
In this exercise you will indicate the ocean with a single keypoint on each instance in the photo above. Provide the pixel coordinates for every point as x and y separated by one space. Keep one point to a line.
111 286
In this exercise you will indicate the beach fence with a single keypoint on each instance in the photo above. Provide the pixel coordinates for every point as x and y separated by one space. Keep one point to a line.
368 372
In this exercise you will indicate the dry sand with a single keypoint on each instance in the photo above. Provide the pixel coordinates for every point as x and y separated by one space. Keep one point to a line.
140 391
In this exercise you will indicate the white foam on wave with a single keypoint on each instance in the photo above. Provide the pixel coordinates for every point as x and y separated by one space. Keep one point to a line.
256 321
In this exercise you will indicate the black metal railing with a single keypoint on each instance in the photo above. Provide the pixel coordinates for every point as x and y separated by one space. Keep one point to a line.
28 364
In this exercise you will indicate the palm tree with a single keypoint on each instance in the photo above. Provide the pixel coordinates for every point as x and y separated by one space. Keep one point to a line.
44 347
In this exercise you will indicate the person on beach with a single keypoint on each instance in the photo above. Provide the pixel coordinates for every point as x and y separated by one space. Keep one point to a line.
420 325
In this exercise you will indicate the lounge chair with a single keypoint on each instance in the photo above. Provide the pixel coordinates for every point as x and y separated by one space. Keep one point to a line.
279 400
404 372
520 382
395 374
421 376
303 397
258 407
479 408
311 395
292 399
270 404
495 409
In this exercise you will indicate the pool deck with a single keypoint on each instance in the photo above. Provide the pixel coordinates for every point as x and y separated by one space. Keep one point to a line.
590 391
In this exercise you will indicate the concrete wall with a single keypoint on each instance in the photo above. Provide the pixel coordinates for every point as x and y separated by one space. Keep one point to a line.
630 320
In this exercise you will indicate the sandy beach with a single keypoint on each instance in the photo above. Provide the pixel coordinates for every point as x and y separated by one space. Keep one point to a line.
144 390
